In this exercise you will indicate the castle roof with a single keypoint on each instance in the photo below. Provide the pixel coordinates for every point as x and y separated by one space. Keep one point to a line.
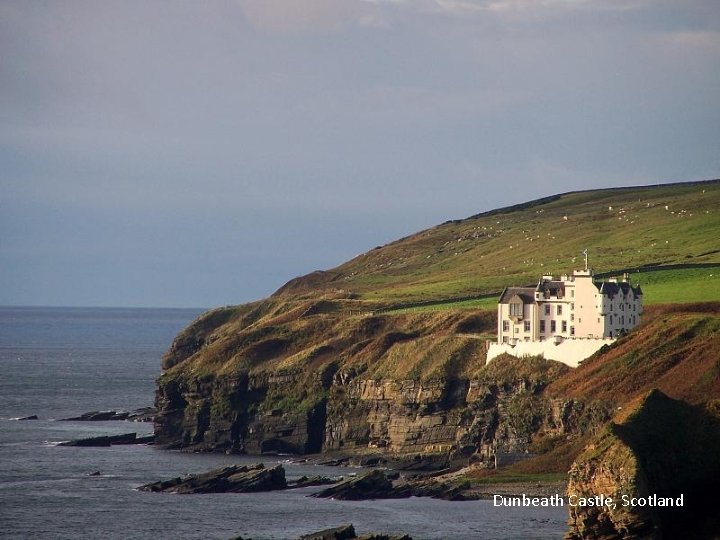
553 288
526 294
610 288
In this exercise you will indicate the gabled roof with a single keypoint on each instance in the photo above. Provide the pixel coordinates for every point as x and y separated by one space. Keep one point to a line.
610 288
526 294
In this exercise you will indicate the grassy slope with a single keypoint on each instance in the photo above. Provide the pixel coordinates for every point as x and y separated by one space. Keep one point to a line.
306 338
314 320
676 349
485 253
680 286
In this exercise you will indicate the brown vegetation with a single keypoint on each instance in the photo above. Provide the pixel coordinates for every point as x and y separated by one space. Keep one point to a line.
676 349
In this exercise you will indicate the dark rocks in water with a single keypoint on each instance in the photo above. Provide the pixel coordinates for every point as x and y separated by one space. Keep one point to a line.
308 481
344 532
97 416
376 536
95 473
372 485
31 417
347 532
438 490
110 440
149 439
335 462
144 414
379 485
232 479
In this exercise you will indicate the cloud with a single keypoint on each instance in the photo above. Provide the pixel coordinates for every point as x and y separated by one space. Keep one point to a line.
311 16
518 6
343 122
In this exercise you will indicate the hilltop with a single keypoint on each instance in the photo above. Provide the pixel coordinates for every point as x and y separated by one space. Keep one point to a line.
623 228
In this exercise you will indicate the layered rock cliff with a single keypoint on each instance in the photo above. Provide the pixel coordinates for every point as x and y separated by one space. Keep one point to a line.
252 381
657 462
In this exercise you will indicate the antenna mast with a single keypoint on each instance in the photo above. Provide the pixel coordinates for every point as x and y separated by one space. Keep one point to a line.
586 258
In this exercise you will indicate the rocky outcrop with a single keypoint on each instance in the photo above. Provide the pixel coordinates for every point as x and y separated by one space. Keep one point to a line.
144 414
347 532
232 479
377 484
344 532
433 422
657 463
110 440
372 485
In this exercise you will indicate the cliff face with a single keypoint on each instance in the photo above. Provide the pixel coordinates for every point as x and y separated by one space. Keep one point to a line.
657 447
315 376
259 379
458 417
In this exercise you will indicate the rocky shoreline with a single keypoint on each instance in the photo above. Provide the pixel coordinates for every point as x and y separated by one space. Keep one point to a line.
110 440
236 479
143 414
372 484
344 532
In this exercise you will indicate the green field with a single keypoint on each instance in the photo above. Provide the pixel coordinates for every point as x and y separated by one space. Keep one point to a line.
679 286
621 228
483 303
659 287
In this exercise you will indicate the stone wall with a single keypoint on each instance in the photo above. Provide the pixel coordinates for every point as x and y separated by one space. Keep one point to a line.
568 351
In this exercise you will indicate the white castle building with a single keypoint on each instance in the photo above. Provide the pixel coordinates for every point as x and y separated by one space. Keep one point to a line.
565 319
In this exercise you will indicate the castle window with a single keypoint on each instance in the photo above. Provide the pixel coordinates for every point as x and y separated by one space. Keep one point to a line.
572 293
572 330
506 326
572 305
527 326
553 327
610 319
559 310
611 306
572 316
505 339
564 326
516 310
547 309
542 326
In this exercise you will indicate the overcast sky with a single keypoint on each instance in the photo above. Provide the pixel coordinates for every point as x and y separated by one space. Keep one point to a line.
187 153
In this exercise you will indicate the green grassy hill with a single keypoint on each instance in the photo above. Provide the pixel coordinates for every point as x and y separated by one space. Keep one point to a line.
623 228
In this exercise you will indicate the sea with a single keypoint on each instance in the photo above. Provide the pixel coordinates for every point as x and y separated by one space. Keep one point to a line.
60 362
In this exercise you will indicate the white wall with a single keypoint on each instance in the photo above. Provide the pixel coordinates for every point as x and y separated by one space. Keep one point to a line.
568 351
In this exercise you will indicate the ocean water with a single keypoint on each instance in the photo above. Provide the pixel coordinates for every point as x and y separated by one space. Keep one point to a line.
60 362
